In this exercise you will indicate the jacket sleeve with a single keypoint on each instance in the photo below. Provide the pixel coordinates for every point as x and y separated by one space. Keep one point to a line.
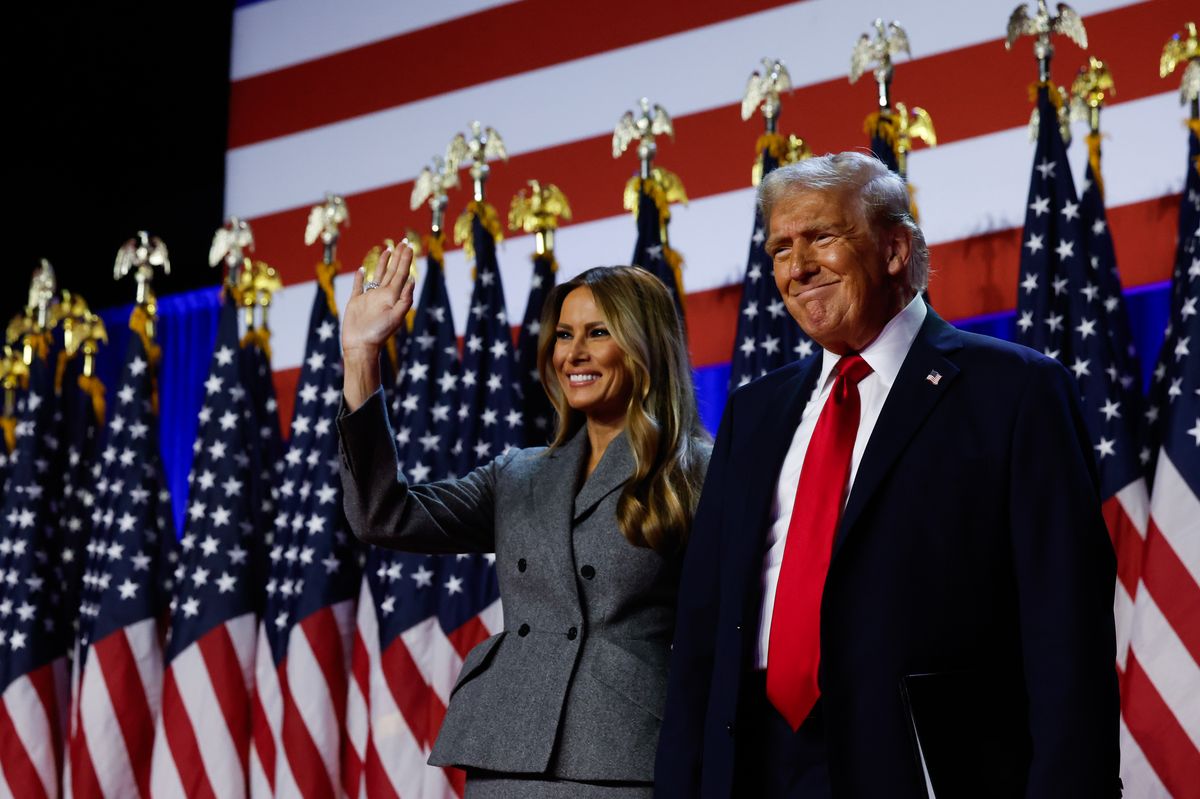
448 516
681 741
1066 573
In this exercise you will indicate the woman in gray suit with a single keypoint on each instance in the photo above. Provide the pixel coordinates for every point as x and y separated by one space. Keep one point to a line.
588 535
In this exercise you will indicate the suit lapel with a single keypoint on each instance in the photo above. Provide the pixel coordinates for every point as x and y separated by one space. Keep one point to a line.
551 494
912 398
767 445
614 469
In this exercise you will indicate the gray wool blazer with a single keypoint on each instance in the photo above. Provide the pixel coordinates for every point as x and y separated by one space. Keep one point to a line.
574 686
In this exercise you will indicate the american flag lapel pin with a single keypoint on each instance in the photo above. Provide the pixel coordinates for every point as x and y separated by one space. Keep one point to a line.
934 377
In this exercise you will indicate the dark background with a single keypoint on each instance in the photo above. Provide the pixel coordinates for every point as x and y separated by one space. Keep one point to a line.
119 115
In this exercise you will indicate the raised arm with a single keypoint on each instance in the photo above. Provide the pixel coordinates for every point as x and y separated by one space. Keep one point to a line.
445 517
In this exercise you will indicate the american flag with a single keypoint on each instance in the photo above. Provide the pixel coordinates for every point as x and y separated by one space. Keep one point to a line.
266 455
203 734
1108 281
126 589
426 389
33 638
368 144
1186 268
301 672
82 413
536 410
489 415
1062 311
650 252
1161 738
418 615
767 336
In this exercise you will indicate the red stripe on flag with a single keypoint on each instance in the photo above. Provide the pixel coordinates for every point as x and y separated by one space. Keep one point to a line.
592 180
1173 589
225 674
44 684
379 784
263 739
423 711
84 782
971 277
467 636
362 80
130 706
1127 543
978 275
458 779
325 639
19 771
1158 733
181 738
351 769
352 763
303 757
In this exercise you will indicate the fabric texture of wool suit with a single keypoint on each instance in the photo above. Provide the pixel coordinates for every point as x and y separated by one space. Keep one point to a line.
573 687
971 547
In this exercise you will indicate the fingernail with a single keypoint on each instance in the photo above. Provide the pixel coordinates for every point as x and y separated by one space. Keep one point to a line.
404 241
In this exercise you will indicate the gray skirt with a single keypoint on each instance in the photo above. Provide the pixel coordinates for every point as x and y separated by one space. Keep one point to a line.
498 785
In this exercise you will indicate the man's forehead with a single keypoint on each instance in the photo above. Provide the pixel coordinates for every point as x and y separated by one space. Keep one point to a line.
807 206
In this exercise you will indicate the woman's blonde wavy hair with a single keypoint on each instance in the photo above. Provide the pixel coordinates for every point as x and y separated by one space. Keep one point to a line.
657 503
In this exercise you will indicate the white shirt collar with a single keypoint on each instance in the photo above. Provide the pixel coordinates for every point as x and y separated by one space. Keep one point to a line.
885 355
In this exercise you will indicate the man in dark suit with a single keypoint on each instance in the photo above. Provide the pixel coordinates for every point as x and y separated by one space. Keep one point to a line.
898 582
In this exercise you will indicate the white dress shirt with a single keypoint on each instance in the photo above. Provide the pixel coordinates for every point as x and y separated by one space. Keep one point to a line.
884 355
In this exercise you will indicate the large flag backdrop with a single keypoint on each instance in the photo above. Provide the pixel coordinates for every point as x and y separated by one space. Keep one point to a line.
356 101
324 98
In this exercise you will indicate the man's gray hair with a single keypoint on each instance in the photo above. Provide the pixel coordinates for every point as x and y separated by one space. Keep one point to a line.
882 195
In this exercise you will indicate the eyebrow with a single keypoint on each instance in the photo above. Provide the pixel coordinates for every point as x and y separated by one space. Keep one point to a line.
586 325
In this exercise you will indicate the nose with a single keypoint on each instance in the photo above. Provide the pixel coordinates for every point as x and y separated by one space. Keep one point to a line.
578 349
800 266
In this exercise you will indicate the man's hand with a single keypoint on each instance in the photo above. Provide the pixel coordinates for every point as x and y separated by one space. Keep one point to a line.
371 318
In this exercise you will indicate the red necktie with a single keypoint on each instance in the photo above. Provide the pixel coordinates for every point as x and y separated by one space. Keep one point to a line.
794 650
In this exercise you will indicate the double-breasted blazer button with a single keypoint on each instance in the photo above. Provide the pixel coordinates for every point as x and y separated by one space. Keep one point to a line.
523 630
729 729
588 572
522 565
572 634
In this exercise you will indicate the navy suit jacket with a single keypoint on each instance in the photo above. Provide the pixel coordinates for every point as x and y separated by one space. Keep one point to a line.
972 546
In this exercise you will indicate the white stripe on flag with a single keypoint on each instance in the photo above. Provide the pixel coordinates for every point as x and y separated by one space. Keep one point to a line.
1137 775
165 779
358 712
1123 612
995 195
33 728
358 154
436 658
402 756
267 684
147 655
1167 663
218 749
493 617
102 732
311 695
270 36
1176 512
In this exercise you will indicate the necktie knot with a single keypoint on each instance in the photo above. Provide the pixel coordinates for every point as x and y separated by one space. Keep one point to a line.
852 368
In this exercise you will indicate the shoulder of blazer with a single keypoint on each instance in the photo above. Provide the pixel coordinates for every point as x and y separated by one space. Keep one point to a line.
764 390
